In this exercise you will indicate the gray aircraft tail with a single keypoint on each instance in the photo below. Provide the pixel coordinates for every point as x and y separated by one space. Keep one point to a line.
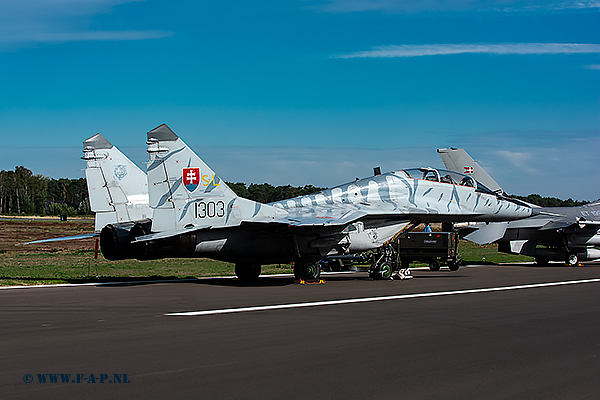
458 160
118 189
186 194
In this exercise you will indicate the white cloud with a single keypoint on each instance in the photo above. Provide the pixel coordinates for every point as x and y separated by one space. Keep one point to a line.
415 6
48 21
95 36
465 48
593 66
520 160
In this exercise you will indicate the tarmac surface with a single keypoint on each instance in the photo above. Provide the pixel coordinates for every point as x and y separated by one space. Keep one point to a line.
435 336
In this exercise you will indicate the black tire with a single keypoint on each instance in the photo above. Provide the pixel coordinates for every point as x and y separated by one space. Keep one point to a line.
247 272
572 259
383 271
307 269
542 262
454 266
434 265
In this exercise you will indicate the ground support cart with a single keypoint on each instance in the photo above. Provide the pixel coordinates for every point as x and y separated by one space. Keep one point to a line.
436 248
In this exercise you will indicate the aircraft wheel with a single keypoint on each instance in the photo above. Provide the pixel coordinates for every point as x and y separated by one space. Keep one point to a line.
542 262
383 271
434 265
307 269
247 272
572 259
454 266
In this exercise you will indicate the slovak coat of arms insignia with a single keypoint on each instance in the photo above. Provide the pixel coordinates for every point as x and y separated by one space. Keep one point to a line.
191 178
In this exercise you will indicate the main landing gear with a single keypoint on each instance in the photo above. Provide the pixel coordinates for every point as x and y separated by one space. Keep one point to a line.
307 269
386 265
247 272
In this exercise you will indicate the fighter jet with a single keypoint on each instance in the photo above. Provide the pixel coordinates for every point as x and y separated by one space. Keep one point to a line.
195 214
567 234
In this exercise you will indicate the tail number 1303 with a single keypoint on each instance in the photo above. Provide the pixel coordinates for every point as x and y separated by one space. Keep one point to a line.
210 209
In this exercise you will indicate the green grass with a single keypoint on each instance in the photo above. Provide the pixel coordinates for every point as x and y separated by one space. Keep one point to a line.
55 263
471 253
80 266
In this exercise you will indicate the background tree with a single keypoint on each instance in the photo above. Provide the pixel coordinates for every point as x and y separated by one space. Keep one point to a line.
22 192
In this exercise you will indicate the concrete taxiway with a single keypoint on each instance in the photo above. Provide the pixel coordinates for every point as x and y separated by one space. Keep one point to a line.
517 331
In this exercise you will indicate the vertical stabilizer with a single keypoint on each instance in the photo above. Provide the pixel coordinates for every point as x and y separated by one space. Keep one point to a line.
186 194
118 189
181 185
458 160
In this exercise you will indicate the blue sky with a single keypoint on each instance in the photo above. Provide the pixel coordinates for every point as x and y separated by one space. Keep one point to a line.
309 92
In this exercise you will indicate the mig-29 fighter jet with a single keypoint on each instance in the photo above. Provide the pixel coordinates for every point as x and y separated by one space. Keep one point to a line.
195 214
568 234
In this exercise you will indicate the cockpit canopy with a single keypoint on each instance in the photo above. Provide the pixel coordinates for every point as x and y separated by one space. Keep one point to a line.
444 176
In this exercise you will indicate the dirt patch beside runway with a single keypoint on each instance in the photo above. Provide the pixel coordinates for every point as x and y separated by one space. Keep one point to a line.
14 231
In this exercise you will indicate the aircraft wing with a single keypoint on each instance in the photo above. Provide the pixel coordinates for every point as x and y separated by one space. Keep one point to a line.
488 233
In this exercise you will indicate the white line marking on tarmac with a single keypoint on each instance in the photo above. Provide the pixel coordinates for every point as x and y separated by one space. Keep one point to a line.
381 298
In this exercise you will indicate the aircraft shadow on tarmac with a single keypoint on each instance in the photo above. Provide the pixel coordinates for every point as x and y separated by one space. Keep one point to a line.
274 281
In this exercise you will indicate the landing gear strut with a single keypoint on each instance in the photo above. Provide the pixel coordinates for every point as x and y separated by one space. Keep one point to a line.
385 265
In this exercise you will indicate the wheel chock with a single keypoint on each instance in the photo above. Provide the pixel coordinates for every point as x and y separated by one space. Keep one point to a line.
403 274
303 282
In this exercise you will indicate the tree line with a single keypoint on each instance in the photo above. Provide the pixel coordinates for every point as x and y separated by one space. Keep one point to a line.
550 201
22 192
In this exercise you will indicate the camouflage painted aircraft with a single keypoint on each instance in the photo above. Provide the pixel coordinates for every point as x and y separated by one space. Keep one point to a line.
195 214
567 234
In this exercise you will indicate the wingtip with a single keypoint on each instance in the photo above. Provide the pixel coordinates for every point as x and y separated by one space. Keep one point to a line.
97 142
162 133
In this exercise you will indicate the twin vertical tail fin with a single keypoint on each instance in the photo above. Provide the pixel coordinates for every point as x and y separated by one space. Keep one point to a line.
184 192
117 188
187 195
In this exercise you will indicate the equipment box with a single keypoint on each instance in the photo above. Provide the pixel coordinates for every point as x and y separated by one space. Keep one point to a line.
435 247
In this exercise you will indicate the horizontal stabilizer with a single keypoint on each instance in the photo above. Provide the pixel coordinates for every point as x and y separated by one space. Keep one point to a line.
565 223
168 234
488 233
60 239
